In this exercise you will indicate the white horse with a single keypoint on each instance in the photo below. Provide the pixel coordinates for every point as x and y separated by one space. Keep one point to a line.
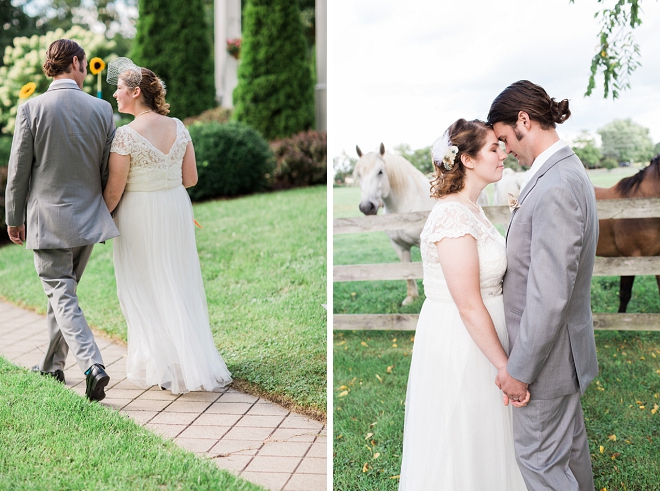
391 182
509 184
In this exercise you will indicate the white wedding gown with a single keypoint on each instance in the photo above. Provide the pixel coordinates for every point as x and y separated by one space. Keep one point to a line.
159 280
457 434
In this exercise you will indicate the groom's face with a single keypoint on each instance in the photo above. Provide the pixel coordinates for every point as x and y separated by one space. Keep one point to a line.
513 140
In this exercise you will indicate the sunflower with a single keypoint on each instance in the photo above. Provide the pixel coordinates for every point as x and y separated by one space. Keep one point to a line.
27 90
96 65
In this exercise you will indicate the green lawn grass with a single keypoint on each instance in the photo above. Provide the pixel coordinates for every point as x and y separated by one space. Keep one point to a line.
371 370
54 439
369 410
263 260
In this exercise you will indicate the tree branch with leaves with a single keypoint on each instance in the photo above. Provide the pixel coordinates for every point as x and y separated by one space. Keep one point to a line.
618 54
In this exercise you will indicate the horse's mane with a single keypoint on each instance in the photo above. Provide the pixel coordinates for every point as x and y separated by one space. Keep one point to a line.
629 185
399 170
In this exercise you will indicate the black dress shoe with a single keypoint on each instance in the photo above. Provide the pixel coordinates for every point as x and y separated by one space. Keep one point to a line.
97 379
57 374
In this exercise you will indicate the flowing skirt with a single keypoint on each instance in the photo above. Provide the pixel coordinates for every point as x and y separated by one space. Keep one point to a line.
457 434
161 293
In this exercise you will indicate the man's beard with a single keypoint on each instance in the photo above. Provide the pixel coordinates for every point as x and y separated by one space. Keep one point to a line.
518 133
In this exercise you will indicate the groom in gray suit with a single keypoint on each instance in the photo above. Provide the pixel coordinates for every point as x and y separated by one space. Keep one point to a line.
57 168
551 246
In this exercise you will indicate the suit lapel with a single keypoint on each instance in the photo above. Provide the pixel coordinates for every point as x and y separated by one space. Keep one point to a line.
561 154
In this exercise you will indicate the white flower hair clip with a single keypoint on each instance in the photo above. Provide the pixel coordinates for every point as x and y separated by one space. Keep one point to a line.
443 152
450 157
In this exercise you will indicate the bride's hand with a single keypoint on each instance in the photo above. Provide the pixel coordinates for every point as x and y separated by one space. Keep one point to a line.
523 402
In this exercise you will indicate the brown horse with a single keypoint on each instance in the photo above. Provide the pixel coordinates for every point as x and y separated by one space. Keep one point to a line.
631 237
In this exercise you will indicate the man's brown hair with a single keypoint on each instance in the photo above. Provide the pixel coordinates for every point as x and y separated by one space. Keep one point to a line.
532 99
59 57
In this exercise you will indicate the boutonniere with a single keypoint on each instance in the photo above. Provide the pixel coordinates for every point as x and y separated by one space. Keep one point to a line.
513 202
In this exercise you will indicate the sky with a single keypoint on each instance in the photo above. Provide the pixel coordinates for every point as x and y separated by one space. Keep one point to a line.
401 71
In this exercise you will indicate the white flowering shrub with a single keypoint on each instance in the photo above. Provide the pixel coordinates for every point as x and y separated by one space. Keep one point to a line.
24 59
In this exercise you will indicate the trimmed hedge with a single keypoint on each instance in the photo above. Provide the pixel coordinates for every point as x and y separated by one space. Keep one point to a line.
302 160
275 92
232 159
172 40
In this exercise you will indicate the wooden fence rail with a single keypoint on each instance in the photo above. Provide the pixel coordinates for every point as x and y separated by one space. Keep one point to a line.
604 266
611 208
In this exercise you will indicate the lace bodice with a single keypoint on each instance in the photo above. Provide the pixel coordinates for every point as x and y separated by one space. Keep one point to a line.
451 220
151 169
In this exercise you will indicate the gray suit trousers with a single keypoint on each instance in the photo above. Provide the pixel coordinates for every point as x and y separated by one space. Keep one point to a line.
551 445
60 271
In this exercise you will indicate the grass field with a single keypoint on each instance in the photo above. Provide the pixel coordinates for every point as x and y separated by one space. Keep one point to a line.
263 260
54 439
371 370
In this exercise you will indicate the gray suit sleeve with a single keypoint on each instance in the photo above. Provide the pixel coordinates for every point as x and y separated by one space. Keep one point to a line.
557 237
19 170
110 134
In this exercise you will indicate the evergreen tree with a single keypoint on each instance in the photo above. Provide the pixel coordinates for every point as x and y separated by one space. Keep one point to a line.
275 93
173 42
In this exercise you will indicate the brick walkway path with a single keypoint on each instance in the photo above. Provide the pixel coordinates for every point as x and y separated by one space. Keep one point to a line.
262 442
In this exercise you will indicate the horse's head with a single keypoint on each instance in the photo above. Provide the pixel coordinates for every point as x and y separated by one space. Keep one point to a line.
371 172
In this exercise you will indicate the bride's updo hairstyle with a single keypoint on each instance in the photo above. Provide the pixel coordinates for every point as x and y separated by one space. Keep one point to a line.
469 137
153 92
532 99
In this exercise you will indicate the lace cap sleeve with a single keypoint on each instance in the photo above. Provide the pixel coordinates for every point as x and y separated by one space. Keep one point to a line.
450 220
185 134
121 143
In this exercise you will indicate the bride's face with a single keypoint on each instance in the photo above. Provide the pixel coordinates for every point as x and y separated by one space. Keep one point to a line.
125 97
489 165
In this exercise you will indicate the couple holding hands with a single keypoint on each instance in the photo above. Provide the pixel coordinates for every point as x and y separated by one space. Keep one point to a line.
70 167
504 345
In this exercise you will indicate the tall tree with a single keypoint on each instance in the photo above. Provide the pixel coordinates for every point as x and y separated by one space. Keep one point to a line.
275 93
172 41
626 141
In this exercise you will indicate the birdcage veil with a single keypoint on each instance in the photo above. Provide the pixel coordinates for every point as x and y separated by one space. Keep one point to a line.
130 72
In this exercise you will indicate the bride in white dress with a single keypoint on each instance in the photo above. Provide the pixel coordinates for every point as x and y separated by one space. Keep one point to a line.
458 433
159 281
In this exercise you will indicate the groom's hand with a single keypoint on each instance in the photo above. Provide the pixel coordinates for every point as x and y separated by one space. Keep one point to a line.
16 234
514 390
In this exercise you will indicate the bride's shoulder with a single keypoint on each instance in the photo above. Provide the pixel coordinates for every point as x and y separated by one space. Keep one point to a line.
123 133
449 206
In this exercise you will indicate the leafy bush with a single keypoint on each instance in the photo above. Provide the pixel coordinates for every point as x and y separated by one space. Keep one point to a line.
275 92
217 114
302 160
609 163
5 150
23 63
232 159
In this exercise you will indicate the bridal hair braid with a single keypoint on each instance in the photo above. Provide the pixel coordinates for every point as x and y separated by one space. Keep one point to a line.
470 138
153 92
532 99
59 57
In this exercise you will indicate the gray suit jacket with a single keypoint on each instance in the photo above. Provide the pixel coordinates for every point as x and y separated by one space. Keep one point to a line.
551 246
58 167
